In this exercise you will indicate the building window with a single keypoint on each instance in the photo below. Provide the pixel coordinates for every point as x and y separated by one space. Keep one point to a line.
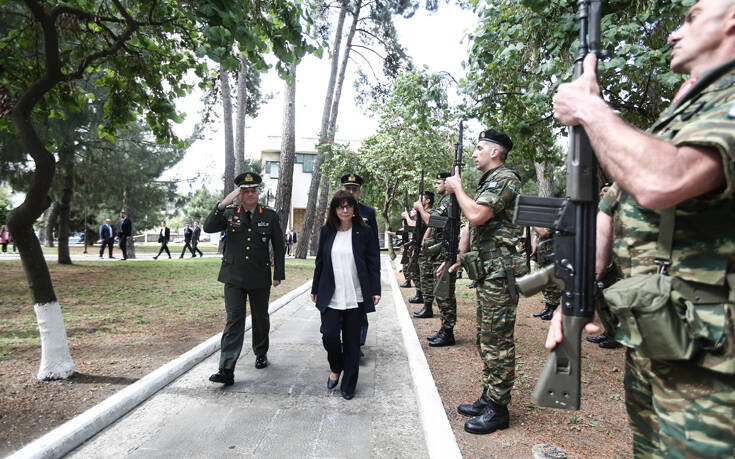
306 160
272 168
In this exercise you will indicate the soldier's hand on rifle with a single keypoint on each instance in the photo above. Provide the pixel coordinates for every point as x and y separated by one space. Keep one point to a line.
555 334
583 94
452 269
453 183
418 205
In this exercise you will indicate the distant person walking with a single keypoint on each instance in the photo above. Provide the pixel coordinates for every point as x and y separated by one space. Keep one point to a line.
107 237
164 235
291 240
196 234
124 232
188 232
5 238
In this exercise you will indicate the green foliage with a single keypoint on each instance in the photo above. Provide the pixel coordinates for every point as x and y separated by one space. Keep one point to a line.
523 49
199 204
415 131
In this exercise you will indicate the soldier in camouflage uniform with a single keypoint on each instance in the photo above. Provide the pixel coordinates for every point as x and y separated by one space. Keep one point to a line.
490 257
246 270
447 306
426 261
686 161
552 293
408 271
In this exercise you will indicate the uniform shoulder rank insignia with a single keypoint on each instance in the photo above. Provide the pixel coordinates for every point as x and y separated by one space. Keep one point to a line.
731 112
491 185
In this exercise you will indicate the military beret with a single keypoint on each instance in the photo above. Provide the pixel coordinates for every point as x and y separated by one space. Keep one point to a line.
351 179
429 194
502 139
443 175
248 180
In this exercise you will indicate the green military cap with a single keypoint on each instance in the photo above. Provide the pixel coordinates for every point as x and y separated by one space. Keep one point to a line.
501 138
443 175
351 179
248 180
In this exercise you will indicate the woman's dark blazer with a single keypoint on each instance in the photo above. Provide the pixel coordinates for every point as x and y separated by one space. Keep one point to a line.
366 261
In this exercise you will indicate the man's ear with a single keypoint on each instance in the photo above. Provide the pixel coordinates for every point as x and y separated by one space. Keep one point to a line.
729 21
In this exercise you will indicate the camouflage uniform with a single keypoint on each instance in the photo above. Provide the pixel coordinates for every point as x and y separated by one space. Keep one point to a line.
426 267
447 306
686 408
496 311
552 293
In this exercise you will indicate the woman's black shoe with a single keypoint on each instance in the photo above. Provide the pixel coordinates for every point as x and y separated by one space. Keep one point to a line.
347 396
332 383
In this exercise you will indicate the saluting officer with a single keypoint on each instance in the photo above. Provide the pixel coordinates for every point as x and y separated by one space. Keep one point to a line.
246 270
490 258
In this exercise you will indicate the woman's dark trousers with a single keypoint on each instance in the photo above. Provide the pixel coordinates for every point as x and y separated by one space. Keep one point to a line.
343 354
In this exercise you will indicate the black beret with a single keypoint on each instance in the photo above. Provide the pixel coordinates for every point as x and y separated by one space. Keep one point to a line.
351 179
502 139
248 180
443 175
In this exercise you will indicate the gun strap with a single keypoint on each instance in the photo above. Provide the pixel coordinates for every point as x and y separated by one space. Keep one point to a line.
509 274
665 240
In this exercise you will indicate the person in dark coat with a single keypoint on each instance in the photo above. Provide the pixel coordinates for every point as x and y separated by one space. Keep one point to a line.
107 237
352 183
346 286
195 235
125 231
188 233
163 237
246 270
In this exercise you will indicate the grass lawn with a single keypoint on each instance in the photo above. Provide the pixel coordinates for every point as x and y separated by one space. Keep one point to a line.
150 247
119 298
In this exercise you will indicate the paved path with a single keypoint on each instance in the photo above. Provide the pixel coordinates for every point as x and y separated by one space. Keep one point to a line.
286 409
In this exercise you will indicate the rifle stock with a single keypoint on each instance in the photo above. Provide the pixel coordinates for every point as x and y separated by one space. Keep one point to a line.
573 223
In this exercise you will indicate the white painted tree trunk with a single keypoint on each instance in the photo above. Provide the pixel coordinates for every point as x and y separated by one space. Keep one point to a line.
56 361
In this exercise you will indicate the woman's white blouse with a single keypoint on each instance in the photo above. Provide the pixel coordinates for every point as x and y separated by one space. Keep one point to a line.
347 292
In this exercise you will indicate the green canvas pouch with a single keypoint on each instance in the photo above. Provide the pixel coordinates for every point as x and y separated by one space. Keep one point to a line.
473 265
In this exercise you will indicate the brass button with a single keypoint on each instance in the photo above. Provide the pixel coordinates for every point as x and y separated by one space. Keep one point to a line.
250 229
247 248
233 230
247 258
248 239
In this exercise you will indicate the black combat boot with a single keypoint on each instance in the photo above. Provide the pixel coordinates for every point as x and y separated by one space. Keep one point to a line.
226 377
406 284
476 408
446 339
494 417
418 299
609 343
544 311
436 335
549 311
597 339
425 313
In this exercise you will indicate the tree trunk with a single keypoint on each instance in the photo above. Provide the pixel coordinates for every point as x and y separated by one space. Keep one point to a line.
52 217
56 361
305 236
545 178
331 130
66 163
242 91
130 212
229 177
288 152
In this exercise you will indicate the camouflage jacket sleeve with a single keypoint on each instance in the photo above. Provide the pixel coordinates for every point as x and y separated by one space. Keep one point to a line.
499 193
609 202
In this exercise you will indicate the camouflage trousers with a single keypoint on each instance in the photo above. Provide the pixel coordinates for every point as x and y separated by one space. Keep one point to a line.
678 410
552 295
426 280
447 306
496 319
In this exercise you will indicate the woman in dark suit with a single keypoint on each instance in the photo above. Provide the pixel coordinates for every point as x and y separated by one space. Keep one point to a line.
346 285
163 237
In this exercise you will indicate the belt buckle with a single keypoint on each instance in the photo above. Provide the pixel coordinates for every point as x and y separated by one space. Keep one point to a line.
663 266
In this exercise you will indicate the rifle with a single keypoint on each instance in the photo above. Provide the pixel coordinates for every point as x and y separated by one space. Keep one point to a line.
406 229
450 228
418 232
528 247
572 220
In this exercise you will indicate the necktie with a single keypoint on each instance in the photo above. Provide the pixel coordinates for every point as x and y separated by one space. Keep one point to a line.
247 218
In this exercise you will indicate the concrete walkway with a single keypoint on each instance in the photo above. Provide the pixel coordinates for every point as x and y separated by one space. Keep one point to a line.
286 409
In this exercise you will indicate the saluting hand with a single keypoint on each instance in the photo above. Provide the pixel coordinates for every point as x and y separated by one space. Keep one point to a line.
573 98
230 197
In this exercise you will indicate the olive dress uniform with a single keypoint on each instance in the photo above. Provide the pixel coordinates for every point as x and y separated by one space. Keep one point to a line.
246 272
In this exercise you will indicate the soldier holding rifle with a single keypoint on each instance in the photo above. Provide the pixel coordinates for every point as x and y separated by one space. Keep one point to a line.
489 256
678 178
